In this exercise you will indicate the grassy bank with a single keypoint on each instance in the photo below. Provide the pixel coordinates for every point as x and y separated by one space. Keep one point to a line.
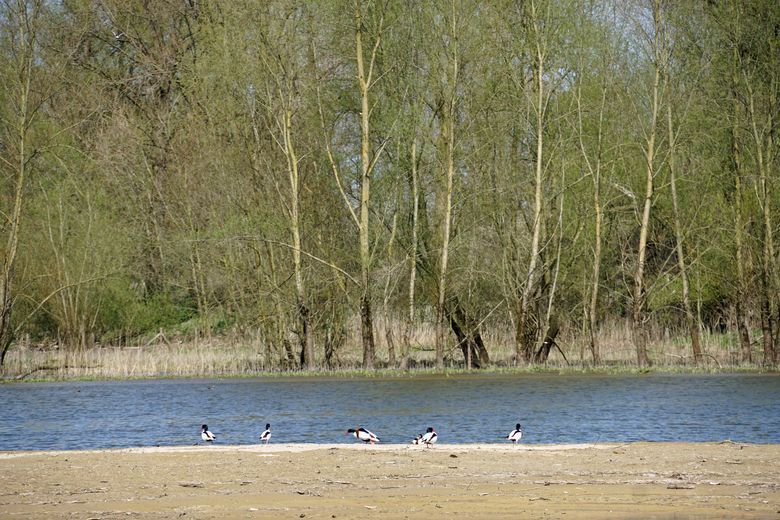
174 356
221 357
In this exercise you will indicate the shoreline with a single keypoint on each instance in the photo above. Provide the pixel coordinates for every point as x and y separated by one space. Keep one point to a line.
416 374
609 480
305 446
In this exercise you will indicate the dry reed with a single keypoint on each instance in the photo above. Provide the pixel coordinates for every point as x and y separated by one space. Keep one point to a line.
242 356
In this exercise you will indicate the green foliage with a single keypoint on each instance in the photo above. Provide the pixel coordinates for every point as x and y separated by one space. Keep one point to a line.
160 311
159 186
126 315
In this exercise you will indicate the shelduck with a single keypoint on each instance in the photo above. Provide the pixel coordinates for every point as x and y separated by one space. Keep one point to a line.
363 435
516 434
266 435
206 435
430 437
417 440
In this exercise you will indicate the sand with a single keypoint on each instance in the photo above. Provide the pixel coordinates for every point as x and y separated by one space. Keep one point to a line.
638 480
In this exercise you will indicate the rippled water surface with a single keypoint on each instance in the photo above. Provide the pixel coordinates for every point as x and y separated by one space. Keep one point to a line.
552 409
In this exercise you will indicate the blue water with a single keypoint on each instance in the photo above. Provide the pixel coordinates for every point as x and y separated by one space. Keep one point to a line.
552 409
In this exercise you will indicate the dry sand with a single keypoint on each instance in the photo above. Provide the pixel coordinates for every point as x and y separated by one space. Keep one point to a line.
639 480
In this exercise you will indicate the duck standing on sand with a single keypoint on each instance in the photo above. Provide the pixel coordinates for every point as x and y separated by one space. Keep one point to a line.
363 435
266 435
430 437
206 435
516 434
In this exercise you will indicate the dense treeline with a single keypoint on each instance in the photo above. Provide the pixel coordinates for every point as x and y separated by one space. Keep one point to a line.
307 172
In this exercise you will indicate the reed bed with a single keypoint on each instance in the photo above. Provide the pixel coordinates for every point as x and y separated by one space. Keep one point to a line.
237 356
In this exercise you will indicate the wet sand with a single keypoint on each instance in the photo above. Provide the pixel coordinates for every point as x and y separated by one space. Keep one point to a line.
638 480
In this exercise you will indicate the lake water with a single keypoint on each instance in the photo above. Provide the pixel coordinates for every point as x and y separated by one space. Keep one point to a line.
469 409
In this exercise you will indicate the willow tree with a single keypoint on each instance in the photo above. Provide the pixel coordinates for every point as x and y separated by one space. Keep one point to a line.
748 63
284 64
368 23
22 98
677 115
680 246
405 53
761 86
656 44
728 17
594 88
138 54
533 51
450 36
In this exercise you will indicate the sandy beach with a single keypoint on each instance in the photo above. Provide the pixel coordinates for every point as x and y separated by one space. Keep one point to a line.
638 480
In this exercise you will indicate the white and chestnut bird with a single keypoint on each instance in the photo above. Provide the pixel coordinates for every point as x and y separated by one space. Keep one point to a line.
206 435
516 434
363 435
266 435
418 439
430 437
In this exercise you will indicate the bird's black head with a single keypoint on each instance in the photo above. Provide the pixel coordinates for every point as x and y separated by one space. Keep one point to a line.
517 426
429 430
351 430
268 426
204 427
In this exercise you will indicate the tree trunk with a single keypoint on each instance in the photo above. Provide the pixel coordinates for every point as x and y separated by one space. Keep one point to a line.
334 335
549 342
591 309
280 323
442 285
524 342
6 334
447 213
739 220
367 332
412 261
526 330
639 334
594 288
302 309
389 325
330 345
693 326
468 335
551 285
26 20
768 297
364 83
